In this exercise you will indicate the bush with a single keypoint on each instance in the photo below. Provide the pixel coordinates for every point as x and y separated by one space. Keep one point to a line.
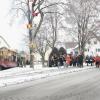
55 51
62 51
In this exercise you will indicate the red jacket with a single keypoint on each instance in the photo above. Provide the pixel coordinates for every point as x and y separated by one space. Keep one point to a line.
68 60
97 59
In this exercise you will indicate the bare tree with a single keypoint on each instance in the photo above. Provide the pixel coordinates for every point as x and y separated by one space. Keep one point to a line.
53 20
83 16
41 43
30 9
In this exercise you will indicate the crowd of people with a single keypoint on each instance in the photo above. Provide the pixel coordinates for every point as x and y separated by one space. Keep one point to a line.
93 60
73 60
66 60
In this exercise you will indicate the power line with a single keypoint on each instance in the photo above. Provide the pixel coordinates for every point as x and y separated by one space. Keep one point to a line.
5 41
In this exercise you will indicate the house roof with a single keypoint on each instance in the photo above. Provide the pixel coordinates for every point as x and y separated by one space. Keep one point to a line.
6 49
69 45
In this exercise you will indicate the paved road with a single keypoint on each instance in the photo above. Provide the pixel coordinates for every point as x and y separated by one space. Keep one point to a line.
83 85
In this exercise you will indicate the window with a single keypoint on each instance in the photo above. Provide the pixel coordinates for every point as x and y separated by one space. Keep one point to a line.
98 50
87 50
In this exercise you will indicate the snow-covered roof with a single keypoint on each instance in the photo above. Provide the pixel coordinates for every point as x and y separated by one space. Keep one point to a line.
70 45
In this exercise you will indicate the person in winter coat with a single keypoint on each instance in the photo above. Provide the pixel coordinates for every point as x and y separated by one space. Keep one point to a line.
80 60
52 61
97 61
55 60
91 60
61 60
87 60
74 60
68 60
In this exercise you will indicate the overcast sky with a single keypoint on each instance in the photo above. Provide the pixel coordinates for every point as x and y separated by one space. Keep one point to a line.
13 34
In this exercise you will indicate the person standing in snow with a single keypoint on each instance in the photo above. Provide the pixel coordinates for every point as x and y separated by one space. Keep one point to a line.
80 60
55 60
97 61
61 60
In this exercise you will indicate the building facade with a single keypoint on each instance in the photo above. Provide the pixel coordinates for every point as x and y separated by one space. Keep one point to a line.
93 47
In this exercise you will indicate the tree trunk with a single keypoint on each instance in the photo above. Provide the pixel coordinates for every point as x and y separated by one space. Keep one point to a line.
43 61
83 47
31 58
31 49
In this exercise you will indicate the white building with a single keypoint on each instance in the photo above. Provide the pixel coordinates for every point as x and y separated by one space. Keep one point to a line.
93 47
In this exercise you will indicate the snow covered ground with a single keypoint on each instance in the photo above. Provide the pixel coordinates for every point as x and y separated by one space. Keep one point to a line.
19 75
